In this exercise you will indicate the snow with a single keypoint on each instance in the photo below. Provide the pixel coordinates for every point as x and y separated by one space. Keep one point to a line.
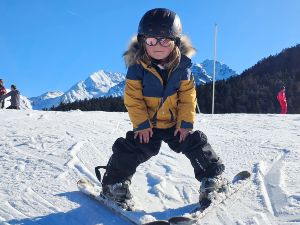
43 154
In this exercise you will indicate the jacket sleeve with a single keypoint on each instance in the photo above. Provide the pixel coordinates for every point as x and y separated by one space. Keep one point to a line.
134 99
186 102
6 95
283 96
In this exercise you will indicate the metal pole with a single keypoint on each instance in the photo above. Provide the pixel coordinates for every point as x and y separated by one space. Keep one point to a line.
214 78
198 107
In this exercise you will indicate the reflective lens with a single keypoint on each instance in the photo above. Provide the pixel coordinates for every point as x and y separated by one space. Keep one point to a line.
152 41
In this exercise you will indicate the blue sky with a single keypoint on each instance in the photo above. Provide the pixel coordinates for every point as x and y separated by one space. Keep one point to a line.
48 45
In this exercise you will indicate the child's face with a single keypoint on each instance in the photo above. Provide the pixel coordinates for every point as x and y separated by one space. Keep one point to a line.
159 48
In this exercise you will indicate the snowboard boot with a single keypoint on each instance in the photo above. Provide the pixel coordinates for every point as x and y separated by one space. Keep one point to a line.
118 192
210 185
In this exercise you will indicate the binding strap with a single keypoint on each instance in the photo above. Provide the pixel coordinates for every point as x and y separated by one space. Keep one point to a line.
97 171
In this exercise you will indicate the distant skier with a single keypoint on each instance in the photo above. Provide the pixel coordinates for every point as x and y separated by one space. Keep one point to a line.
2 92
15 97
282 100
160 97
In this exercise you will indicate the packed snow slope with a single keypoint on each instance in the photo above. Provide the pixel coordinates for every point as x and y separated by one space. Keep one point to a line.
43 154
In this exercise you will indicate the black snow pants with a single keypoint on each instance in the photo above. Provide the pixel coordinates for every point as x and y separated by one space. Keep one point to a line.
129 153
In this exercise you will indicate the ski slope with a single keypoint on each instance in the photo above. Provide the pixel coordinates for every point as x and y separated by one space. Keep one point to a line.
43 154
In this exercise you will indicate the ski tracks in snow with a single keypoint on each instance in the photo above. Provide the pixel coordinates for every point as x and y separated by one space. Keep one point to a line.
28 172
270 181
43 154
271 173
74 167
43 159
74 162
164 183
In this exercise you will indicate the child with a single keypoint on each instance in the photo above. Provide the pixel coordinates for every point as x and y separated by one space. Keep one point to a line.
160 97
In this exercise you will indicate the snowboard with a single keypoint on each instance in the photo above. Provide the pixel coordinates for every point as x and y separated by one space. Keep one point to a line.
239 181
134 216
140 217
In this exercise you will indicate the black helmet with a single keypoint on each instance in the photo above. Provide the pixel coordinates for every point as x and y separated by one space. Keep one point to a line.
160 22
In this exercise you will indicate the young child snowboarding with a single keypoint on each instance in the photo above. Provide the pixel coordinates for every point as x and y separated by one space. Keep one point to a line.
160 97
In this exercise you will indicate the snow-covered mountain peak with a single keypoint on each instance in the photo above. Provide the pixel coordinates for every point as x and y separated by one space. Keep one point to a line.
200 74
96 85
103 83
103 80
46 100
222 70
203 72
98 80
51 94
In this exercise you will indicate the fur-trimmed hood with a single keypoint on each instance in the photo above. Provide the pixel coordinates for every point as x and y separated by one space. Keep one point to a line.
135 51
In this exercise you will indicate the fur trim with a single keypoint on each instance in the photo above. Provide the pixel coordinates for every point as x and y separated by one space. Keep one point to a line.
136 52
186 47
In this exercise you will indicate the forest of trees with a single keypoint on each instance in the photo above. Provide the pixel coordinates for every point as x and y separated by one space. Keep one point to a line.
254 91
109 104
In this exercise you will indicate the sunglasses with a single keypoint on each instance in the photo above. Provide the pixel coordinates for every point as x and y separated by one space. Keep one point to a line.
153 41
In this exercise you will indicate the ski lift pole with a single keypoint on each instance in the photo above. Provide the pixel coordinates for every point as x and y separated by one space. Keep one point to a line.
198 106
214 78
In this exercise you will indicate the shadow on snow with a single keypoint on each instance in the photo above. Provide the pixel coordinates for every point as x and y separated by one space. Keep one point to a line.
89 213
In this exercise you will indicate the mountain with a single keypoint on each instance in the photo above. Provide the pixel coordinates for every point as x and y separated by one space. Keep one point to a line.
46 100
203 72
223 72
103 84
96 85
200 74
117 90
44 153
255 90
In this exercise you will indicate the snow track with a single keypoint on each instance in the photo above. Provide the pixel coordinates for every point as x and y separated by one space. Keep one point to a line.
43 154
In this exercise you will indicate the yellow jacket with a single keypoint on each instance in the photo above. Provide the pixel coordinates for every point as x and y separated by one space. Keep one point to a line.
150 104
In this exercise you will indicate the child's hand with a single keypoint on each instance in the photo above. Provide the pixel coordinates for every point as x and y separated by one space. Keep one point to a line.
184 132
144 135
